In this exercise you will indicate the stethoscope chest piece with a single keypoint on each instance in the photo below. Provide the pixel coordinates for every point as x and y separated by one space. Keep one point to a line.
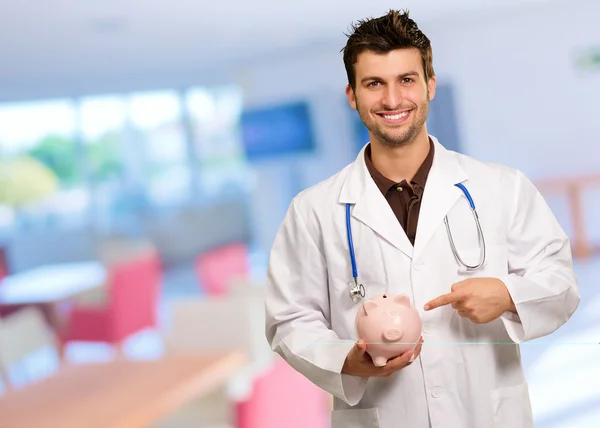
357 291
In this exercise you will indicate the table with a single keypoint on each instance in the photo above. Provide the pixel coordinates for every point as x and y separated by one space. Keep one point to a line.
51 283
118 394
52 288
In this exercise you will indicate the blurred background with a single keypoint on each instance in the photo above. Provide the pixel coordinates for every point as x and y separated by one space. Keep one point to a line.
150 149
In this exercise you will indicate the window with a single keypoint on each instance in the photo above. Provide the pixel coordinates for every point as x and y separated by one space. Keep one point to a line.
214 125
103 121
46 132
116 155
159 147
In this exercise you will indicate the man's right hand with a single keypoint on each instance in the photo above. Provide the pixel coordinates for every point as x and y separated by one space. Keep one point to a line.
359 363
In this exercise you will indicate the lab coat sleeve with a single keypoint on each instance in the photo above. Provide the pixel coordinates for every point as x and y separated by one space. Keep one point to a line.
540 276
297 311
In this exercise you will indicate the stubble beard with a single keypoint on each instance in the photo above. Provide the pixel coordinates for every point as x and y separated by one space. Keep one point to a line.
393 139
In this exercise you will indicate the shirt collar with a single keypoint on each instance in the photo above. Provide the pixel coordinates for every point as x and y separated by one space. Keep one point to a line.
384 184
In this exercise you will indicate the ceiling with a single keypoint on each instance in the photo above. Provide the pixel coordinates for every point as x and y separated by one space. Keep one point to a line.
66 44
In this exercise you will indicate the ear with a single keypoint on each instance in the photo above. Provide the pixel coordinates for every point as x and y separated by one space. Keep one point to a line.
431 85
351 96
369 306
402 300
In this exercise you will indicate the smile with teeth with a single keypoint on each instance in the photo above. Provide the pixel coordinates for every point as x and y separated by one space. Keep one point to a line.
396 116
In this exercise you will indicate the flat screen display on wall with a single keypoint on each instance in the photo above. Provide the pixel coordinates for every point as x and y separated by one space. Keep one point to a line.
280 130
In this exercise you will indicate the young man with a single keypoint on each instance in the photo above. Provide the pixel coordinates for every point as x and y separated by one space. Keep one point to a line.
482 283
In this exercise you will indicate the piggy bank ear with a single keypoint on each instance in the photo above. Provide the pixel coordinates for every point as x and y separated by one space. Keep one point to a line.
369 306
402 300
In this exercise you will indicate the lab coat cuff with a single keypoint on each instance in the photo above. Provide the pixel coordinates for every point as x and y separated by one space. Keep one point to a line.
513 326
512 321
352 388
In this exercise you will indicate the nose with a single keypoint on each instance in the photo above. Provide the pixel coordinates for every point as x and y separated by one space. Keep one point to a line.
392 334
392 97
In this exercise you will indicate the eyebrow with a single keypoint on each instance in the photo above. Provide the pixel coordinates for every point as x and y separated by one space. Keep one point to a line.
402 76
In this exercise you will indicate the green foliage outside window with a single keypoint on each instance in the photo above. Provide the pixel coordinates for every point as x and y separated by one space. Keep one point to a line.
59 153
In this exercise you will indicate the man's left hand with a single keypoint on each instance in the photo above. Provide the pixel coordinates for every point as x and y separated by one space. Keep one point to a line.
479 299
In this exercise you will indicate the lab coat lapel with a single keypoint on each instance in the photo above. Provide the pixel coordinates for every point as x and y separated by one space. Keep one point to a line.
371 207
439 195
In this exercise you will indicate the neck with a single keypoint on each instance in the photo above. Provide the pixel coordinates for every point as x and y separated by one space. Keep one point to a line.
400 163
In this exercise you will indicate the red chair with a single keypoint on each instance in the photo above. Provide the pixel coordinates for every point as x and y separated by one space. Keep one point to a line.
282 397
217 268
131 304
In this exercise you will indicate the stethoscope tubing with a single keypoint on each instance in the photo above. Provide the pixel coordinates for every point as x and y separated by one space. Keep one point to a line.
357 289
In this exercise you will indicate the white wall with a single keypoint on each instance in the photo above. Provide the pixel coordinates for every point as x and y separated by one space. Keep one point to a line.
520 100
518 86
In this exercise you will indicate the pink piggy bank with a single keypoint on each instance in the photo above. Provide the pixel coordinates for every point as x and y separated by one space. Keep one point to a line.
389 325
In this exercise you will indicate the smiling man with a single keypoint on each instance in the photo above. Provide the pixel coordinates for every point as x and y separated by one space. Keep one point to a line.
392 96
395 113
472 244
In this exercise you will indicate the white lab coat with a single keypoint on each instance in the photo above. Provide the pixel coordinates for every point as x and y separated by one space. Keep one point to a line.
467 375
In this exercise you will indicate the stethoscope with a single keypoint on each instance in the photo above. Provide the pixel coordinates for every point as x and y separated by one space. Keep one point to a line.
357 290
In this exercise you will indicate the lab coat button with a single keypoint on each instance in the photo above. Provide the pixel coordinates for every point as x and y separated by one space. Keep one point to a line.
427 328
436 392
418 266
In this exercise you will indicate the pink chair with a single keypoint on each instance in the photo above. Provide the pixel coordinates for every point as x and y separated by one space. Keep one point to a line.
3 264
216 268
130 305
282 397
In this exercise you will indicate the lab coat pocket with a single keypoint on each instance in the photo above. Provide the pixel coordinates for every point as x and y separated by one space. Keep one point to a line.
511 407
355 418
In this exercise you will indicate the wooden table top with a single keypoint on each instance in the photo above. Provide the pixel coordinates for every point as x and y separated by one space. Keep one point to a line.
52 283
117 394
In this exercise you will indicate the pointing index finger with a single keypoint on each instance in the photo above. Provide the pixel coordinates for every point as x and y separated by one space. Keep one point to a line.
444 299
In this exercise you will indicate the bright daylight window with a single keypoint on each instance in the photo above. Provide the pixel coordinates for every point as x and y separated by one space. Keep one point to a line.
214 117
160 146
113 156
38 146
107 152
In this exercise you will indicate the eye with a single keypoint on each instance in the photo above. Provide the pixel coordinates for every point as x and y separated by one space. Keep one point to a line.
373 84
407 80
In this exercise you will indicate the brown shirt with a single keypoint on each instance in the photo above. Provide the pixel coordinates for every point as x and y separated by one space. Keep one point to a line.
404 200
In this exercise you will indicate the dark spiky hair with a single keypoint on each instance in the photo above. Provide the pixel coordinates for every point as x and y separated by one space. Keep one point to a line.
395 30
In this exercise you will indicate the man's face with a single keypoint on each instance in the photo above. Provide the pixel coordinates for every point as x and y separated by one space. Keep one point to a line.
391 95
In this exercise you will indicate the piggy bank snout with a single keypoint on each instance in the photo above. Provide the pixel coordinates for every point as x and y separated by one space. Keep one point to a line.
392 334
